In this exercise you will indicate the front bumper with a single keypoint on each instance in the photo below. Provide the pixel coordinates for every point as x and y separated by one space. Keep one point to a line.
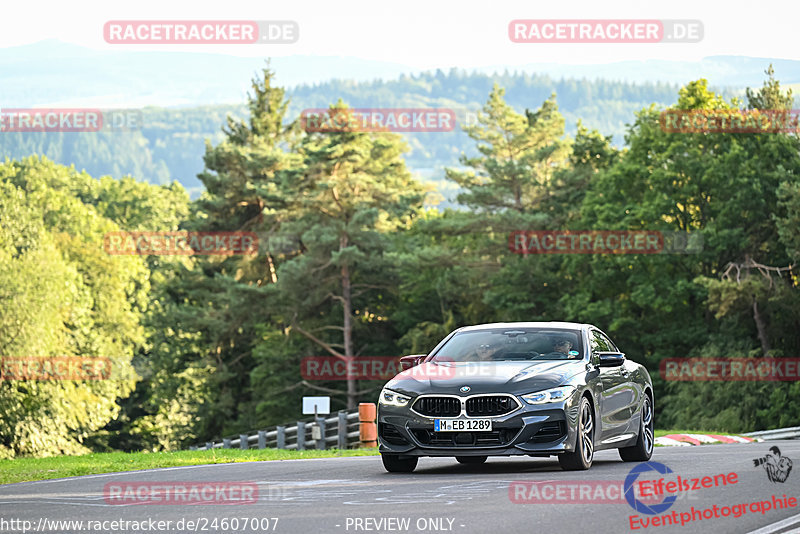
531 430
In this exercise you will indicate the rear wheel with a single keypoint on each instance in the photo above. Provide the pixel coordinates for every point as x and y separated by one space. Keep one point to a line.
643 449
581 458
471 459
394 464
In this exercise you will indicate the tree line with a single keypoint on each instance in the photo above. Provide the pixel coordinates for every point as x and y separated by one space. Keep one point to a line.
171 141
354 262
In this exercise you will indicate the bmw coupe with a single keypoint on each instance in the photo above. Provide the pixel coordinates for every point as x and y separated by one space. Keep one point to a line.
502 389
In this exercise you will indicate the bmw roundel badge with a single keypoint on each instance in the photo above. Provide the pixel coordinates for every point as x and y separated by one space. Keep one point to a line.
464 389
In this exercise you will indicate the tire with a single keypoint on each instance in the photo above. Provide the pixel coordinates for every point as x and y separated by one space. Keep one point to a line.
394 464
643 449
581 458
471 460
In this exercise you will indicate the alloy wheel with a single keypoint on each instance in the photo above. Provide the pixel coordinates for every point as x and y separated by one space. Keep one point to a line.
647 425
587 432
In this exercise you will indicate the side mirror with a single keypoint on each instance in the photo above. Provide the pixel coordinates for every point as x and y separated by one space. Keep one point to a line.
610 359
407 362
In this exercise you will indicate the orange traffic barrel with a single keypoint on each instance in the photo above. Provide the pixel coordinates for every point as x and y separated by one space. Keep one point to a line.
367 428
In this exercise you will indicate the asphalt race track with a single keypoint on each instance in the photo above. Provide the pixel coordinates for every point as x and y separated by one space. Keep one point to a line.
357 495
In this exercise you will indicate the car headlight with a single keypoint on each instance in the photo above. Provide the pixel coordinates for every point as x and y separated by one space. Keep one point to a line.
549 395
393 398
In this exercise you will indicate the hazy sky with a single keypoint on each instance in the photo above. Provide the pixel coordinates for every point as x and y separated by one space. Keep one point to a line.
424 34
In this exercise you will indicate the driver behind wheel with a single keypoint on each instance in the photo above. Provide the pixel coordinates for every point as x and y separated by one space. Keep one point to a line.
562 345
485 352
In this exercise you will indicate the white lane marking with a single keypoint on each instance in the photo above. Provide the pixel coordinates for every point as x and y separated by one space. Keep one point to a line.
75 494
57 496
312 482
395 500
298 495
295 492
450 494
57 502
775 527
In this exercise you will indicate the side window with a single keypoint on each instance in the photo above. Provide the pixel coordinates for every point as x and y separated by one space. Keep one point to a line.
600 343
610 343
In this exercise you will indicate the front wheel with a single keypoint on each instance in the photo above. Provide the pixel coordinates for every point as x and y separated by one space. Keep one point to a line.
581 458
643 449
474 460
394 464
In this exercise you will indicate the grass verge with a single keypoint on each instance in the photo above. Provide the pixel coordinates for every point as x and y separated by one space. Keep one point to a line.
29 469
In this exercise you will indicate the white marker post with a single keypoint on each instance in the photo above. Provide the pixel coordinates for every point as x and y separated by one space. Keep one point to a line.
316 406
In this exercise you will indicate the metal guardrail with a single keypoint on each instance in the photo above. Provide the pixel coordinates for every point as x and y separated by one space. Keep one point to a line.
778 433
340 431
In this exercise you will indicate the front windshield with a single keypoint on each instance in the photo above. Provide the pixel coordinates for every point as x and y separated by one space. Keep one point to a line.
503 344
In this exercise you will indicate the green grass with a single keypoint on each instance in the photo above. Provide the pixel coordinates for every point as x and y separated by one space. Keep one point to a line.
28 469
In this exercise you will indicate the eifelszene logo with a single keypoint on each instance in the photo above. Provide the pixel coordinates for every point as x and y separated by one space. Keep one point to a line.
638 505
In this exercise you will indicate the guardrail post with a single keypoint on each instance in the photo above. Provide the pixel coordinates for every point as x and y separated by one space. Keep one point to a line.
301 436
345 434
342 441
367 429
321 440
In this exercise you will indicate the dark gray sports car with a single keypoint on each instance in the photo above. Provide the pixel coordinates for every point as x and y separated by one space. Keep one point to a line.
502 389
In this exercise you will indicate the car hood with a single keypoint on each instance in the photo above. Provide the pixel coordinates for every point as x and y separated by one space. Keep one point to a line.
485 377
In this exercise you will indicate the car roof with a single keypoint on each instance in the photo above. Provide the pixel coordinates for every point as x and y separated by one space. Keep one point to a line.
549 324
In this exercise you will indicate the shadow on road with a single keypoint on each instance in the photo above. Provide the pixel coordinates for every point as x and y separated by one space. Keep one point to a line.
499 466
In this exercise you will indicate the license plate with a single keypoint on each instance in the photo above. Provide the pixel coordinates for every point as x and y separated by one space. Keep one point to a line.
462 425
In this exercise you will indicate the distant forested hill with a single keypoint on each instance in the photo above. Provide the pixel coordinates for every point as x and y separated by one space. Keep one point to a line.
171 143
